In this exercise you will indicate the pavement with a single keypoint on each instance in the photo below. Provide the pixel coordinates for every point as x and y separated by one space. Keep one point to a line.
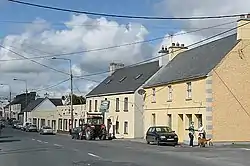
20 148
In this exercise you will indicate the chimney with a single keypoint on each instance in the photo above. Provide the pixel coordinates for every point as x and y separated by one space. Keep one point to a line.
243 32
114 66
175 49
163 59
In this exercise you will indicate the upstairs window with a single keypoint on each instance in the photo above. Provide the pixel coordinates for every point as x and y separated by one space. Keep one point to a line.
189 90
170 93
138 76
107 82
126 104
95 105
122 79
117 105
154 95
90 105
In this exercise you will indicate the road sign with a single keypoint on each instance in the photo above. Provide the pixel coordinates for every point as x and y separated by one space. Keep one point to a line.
104 105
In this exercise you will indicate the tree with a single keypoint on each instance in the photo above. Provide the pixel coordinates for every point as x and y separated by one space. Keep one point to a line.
76 99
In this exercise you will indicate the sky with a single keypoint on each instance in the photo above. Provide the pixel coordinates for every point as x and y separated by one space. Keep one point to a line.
30 32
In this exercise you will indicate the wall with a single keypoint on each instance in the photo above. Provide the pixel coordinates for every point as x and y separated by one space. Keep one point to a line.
179 108
121 116
231 102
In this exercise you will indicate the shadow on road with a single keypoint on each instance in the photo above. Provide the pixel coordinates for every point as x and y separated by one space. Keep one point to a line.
6 136
9 140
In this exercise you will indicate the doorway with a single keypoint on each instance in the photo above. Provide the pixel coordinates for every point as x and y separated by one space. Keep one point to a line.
180 127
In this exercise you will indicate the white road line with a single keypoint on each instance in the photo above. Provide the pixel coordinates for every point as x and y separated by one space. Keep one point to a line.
39 141
93 155
45 142
58 145
245 148
76 150
33 139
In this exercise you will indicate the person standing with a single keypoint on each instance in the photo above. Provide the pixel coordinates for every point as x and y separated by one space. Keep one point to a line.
191 134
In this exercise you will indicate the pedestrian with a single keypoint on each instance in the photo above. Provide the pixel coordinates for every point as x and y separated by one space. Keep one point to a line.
191 134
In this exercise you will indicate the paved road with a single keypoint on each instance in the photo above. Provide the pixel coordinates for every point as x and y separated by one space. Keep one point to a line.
27 149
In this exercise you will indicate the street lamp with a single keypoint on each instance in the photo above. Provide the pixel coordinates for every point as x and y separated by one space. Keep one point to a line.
10 96
71 88
26 95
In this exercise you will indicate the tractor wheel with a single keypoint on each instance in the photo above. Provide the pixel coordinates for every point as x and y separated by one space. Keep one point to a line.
89 133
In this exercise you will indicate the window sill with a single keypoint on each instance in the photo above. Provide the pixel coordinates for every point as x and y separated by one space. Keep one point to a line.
126 133
188 99
117 110
125 110
169 100
153 102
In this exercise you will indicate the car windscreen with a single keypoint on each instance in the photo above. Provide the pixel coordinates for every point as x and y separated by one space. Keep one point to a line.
163 130
47 127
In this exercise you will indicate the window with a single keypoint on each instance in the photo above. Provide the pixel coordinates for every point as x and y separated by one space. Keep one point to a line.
117 127
153 94
54 125
65 124
60 124
170 93
153 119
137 77
75 122
34 121
69 123
90 105
125 104
125 127
48 122
122 79
42 122
108 81
117 104
170 120
189 90
95 105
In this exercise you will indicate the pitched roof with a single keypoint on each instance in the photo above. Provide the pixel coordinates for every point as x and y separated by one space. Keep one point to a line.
126 79
33 104
56 102
21 99
194 63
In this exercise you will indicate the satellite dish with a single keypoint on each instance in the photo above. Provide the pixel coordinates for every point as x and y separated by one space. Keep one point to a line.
141 91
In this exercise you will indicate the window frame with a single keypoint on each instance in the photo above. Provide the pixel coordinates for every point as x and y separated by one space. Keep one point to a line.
117 104
125 104
125 127
170 93
96 105
189 91
153 95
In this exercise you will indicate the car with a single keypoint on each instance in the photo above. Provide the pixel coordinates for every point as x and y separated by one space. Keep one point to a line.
14 124
161 135
31 127
25 125
46 130
19 125
76 133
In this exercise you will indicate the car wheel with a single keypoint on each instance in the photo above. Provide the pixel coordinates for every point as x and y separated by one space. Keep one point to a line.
148 142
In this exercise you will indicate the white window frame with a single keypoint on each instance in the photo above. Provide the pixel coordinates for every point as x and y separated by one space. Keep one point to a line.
154 95
126 127
117 104
125 104
170 93
189 90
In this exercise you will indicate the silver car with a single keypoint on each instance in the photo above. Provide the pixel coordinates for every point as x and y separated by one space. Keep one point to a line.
46 130
31 127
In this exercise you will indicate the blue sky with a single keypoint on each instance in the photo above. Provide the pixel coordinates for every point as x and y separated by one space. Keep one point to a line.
17 12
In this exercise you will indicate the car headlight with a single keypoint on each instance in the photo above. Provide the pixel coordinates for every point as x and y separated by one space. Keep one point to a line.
162 137
175 136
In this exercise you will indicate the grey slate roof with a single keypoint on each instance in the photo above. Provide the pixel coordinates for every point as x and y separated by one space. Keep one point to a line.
194 63
33 104
114 84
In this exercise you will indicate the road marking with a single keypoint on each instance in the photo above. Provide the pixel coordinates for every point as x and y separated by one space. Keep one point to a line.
45 142
245 148
33 139
76 150
58 145
39 141
93 155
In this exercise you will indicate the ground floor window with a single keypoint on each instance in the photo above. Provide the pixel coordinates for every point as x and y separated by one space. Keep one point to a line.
60 124
42 122
75 122
125 127
48 122
65 124
54 124
34 121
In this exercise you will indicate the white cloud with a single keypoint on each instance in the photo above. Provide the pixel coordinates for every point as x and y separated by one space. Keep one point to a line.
40 39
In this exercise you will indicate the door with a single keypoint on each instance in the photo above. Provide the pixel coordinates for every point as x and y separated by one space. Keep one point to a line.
180 127
151 135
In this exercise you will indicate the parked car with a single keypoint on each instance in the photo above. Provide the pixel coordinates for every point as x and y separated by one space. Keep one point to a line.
25 125
46 130
19 125
31 127
161 135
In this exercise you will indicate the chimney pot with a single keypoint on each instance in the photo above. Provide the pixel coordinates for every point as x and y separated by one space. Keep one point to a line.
173 44
182 45
177 44
166 48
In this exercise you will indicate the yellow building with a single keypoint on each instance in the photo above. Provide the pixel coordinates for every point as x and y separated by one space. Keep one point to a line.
123 88
208 84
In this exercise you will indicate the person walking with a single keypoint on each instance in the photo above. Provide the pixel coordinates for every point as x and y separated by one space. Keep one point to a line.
191 134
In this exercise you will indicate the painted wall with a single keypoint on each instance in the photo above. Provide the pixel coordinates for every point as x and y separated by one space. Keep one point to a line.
178 112
132 116
231 102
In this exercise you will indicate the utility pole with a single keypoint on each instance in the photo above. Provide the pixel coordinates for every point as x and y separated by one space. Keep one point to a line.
71 90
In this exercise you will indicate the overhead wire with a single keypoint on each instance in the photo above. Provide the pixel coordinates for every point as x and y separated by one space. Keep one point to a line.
52 86
122 45
126 16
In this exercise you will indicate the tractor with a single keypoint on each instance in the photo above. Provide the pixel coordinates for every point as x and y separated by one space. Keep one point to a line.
94 128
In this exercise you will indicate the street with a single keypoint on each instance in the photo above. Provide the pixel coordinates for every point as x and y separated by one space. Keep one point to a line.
20 148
